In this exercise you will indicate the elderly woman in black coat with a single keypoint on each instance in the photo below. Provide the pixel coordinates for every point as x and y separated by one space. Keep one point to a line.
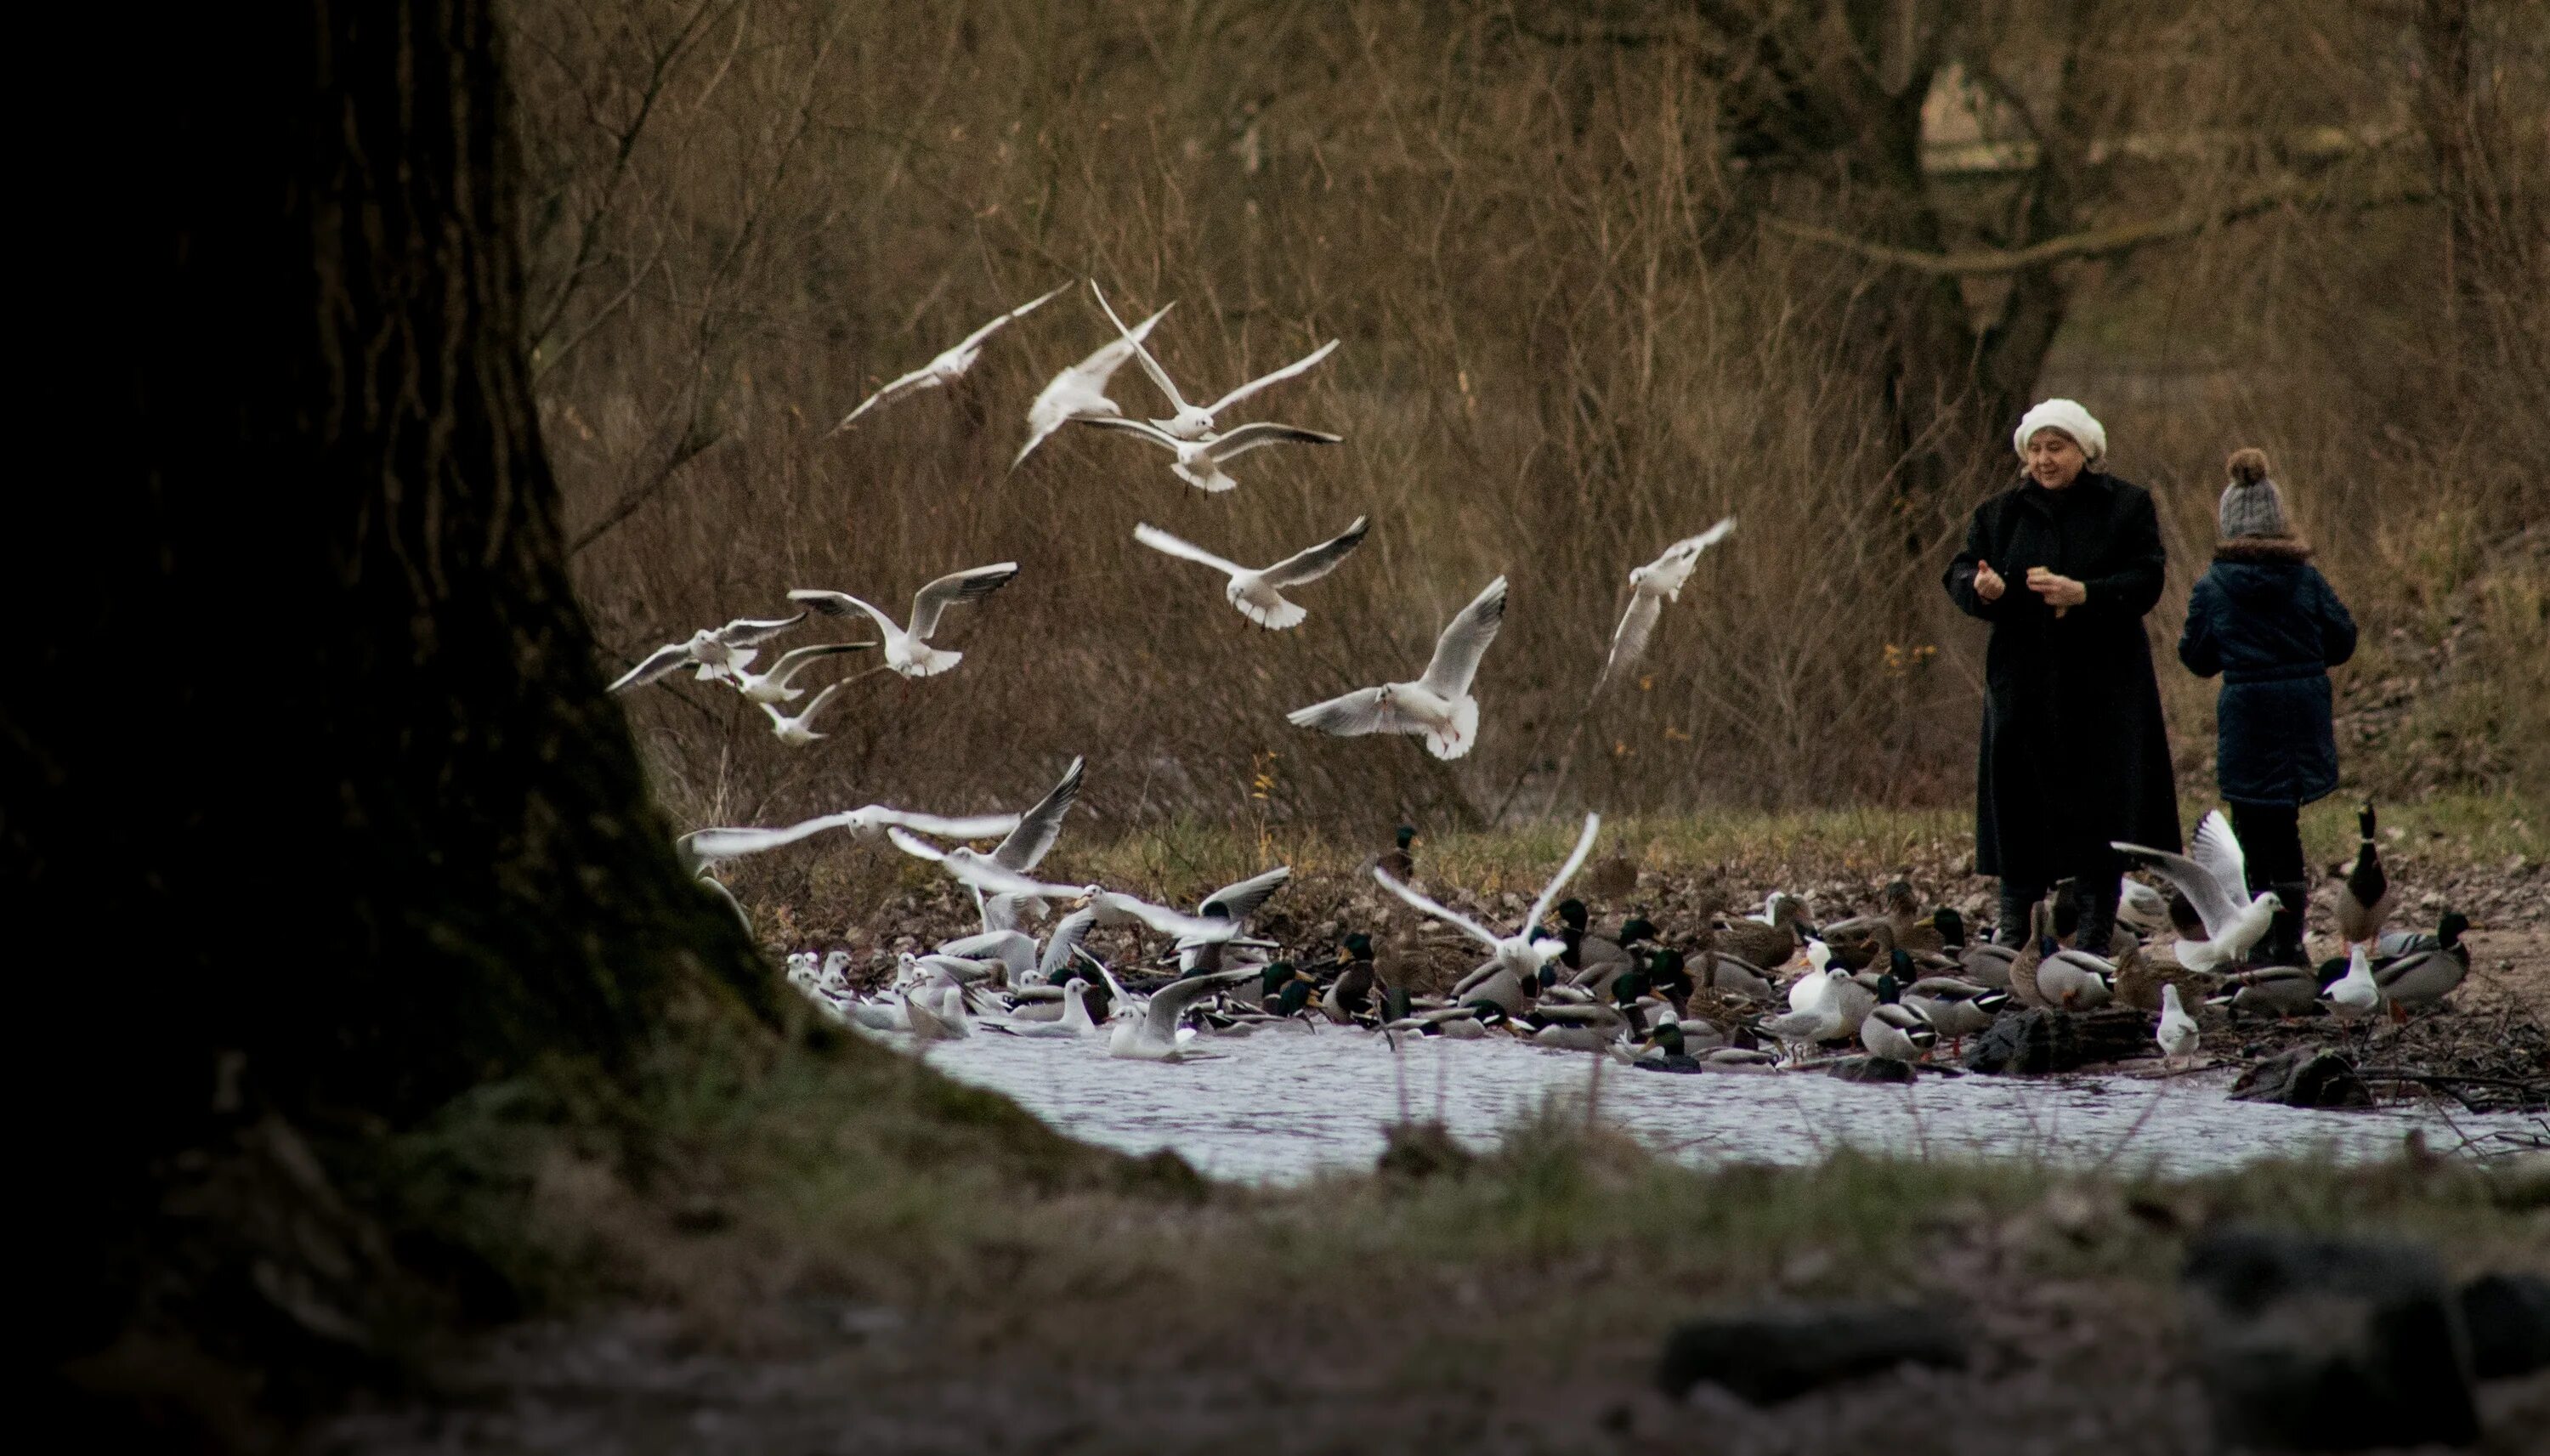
2064 565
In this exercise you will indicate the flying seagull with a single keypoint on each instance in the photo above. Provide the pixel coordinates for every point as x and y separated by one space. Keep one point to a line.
1026 848
772 685
1080 392
2213 876
702 847
1199 460
717 652
984 874
1185 422
1257 593
909 652
1437 705
1650 587
794 732
1521 952
948 367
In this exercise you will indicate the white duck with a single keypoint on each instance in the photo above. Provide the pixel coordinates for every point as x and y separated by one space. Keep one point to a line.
1080 392
948 367
1650 587
1521 954
1258 594
908 651
716 651
2213 876
1437 705
1186 420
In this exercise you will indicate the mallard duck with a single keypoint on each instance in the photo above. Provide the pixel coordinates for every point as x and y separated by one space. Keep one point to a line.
1350 995
1670 975
2285 992
2022 969
1666 1049
1399 860
1894 1031
2426 976
1732 974
1592 956
2140 907
2143 971
2354 994
2366 895
2177 1034
2393 945
1767 940
1494 985
1957 1008
2074 980
1987 963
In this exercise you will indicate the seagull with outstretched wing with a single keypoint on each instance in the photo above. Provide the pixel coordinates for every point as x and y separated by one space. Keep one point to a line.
716 651
1437 705
1188 422
1258 594
1650 587
2213 876
908 651
1080 391
948 367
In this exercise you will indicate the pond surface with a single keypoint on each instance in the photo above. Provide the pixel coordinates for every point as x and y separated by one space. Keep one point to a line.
1280 1106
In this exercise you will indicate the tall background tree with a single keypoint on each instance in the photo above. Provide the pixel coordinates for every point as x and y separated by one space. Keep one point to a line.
316 770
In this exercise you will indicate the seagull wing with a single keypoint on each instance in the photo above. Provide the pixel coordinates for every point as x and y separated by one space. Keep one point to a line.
1299 365
1629 638
1001 320
1160 540
1459 650
1063 940
1143 427
977 826
894 389
1170 1001
2219 849
1317 561
806 715
743 632
1249 437
1425 906
1566 872
1669 570
789 662
1239 902
659 663
1038 828
1070 393
975 869
1169 921
970 585
1150 365
715 844
1352 715
2194 880
843 604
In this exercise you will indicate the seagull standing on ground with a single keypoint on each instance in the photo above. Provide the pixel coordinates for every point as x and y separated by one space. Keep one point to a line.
2213 876
1185 422
1650 587
909 652
1437 705
945 369
717 652
1257 594
1080 392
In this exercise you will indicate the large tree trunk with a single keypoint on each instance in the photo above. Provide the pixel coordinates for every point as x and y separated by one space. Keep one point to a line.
321 769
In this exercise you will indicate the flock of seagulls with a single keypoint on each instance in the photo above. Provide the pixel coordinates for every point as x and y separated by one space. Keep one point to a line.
1896 983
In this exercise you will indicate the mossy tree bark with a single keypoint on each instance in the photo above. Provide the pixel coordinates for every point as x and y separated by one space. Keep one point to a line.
322 765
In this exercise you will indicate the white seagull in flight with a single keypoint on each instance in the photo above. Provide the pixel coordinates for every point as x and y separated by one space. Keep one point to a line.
2213 875
1186 420
1650 587
1257 593
1437 705
1521 951
908 651
868 824
1080 392
717 651
945 369
1199 460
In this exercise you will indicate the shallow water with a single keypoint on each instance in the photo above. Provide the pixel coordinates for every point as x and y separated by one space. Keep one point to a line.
1280 1106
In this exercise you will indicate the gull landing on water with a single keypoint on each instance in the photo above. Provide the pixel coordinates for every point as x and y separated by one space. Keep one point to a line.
1437 705
1199 460
717 652
1080 392
1185 422
1256 593
909 652
1650 587
945 369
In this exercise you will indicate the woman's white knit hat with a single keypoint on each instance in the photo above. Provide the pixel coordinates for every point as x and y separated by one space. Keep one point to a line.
2068 417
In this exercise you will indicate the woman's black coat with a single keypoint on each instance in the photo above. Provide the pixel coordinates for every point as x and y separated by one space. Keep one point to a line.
2074 751
2264 617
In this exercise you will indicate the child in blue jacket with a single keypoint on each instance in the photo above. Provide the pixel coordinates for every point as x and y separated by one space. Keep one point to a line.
2265 618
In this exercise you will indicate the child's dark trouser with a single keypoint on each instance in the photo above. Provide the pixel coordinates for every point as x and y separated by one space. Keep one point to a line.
2271 839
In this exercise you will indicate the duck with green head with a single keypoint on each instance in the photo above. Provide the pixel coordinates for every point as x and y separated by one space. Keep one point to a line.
1401 857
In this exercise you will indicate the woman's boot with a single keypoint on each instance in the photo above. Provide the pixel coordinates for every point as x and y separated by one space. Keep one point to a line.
2016 901
2098 929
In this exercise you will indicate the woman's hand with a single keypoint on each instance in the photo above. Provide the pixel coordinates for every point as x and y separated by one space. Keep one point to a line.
1987 582
2061 593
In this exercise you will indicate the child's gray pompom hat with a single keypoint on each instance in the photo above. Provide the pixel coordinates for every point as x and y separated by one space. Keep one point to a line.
2252 506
